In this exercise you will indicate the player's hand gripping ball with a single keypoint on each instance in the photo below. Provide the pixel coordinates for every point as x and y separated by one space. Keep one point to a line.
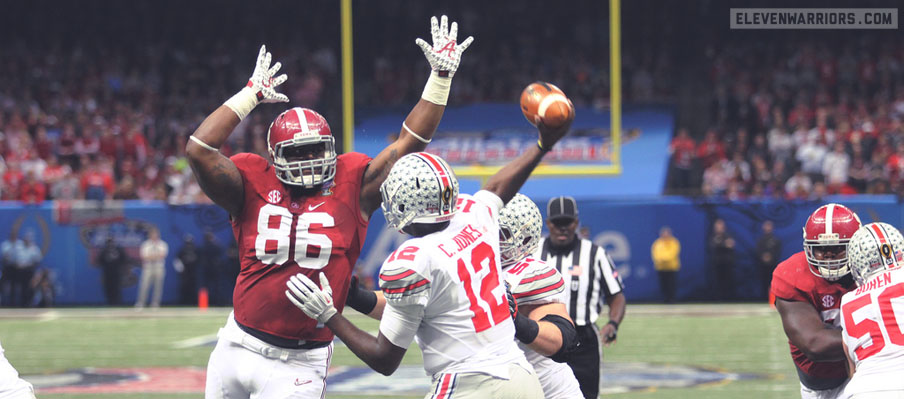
546 103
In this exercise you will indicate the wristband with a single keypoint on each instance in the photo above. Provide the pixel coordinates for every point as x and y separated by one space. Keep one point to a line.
614 324
360 299
417 136
242 102
526 330
437 89
540 146
203 144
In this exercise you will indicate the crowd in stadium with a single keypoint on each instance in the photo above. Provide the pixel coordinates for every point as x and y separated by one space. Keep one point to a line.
116 128
789 118
798 120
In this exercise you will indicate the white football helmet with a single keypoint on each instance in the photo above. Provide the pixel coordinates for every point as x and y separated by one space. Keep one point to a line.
874 248
520 224
420 188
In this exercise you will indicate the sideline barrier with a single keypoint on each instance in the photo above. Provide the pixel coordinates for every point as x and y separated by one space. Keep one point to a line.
70 234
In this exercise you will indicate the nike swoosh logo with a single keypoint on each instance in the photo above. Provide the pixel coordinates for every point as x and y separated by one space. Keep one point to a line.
313 207
300 383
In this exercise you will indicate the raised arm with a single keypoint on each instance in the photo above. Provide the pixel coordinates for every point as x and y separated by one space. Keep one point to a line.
805 330
216 174
418 128
508 180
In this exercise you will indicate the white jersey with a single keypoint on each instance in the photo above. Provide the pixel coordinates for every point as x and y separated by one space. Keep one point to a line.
873 322
446 289
534 282
11 386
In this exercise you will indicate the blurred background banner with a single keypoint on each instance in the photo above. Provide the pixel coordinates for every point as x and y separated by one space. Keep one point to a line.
487 135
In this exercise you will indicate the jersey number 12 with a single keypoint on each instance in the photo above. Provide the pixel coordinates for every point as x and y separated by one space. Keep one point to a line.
482 256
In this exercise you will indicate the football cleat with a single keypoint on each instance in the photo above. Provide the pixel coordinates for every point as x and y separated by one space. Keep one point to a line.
520 225
826 236
302 148
420 188
875 248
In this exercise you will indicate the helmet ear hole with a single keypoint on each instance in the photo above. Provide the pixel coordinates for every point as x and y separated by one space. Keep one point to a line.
401 207
417 183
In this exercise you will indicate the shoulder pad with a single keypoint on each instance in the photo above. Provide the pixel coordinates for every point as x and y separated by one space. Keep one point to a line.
246 161
540 281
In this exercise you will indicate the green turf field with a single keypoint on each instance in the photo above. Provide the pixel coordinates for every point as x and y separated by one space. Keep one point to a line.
736 340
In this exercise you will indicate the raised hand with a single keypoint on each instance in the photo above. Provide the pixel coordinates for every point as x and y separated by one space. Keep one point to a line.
262 81
445 53
315 302
550 136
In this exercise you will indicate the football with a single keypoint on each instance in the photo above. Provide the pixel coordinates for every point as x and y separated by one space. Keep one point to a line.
541 101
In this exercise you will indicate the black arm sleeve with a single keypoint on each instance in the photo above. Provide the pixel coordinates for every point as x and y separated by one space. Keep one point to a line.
359 298
569 337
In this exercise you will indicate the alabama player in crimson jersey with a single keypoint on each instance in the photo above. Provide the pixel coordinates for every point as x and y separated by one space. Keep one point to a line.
537 300
305 211
444 285
808 287
873 314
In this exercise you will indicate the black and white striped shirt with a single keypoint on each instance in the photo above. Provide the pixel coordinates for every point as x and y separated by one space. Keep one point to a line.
590 277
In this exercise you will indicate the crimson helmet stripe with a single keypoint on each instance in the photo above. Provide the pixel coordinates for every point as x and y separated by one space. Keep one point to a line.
830 211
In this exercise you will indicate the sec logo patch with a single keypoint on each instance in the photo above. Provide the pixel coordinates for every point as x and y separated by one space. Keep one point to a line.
274 197
828 301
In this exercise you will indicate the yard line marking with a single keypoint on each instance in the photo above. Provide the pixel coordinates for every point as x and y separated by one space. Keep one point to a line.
202 340
50 315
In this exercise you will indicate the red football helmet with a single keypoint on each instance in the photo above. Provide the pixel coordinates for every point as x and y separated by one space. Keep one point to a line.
826 237
302 148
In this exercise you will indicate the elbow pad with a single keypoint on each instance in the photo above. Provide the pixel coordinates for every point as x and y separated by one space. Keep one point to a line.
359 298
570 341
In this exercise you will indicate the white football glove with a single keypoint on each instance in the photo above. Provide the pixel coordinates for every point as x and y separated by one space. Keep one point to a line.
315 302
262 81
260 88
445 54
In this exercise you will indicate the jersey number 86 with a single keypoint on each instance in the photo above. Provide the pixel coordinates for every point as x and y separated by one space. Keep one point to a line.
274 225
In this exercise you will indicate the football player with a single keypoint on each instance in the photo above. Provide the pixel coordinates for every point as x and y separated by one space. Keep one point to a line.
542 324
11 386
536 300
306 211
872 335
808 287
445 284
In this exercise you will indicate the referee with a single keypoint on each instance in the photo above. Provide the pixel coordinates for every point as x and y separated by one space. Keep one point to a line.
591 278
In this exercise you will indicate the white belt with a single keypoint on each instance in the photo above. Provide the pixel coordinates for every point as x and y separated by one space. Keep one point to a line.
235 335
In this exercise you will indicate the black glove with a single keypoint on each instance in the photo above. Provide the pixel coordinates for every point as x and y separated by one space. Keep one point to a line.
526 330
513 305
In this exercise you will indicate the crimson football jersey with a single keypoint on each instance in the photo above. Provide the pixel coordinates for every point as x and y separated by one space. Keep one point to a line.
792 280
279 236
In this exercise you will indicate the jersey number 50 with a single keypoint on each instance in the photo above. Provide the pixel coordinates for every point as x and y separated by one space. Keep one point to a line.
871 327
272 243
